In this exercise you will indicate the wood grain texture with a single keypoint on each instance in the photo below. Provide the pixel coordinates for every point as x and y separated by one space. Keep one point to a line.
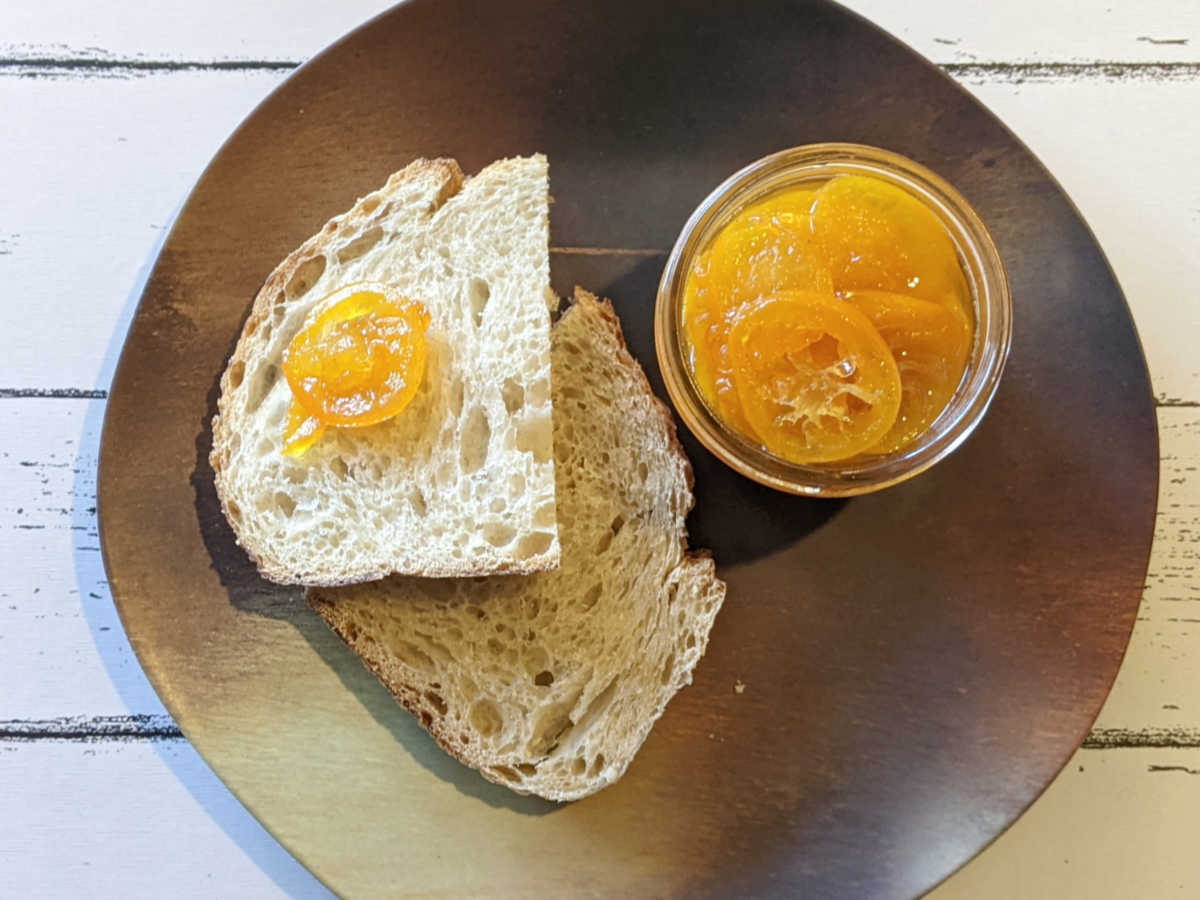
178 830
118 157
62 649
1103 141
269 30
1146 801
272 30
1074 31
1158 687
132 820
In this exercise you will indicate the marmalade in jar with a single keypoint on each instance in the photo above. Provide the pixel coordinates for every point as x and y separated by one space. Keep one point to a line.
831 321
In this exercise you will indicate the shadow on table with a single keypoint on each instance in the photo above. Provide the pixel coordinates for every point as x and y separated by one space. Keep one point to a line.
112 644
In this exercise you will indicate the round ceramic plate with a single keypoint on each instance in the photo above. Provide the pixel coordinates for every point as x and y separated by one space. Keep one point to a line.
915 665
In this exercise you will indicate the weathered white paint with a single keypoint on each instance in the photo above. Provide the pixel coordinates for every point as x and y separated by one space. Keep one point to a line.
94 170
1125 151
943 30
139 818
62 649
94 167
1029 30
1158 686
1115 825
132 819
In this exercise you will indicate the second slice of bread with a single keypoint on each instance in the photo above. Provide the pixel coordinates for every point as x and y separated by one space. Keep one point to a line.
462 481
549 684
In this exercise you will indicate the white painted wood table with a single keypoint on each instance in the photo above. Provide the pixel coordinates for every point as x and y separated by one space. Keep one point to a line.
111 110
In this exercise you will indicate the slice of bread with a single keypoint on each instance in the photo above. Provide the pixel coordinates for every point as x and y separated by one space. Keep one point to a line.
461 482
550 684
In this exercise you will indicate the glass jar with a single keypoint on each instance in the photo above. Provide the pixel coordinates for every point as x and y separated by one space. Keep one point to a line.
810 166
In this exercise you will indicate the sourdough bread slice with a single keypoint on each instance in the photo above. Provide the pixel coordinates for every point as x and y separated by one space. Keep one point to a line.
550 684
461 482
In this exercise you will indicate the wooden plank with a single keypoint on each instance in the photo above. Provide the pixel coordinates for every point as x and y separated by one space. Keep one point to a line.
56 614
1026 30
146 817
1158 687
1115 824
178 29
133 818
126 151
1134 181
943 30
94 170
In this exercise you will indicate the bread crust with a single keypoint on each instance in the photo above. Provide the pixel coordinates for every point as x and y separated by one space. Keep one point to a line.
605 309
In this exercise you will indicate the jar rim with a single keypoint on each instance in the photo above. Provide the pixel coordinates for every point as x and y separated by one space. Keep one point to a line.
982 266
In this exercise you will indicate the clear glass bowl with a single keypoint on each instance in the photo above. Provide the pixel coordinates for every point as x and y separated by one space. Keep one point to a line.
813 164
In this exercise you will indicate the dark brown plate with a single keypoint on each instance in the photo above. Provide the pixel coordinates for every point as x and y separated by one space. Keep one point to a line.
918 664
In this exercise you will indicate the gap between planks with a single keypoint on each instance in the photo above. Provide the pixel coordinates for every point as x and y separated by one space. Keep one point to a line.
93 729
99 64
52 394
1128 738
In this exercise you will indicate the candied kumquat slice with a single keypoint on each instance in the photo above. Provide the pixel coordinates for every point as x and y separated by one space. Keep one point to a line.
876 236
358 360
766 248
788 208
930 344
706 328
816 381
